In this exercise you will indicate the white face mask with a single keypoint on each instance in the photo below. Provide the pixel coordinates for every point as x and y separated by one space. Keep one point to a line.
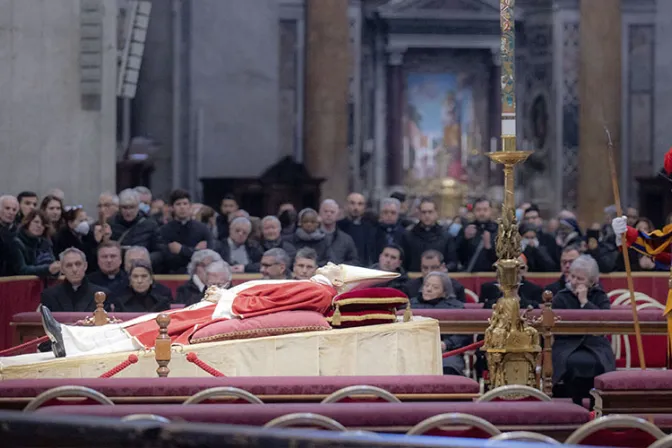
82 228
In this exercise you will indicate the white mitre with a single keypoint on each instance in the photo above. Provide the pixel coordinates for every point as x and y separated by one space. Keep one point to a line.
346 278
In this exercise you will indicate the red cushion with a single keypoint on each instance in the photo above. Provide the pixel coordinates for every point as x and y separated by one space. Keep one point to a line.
635 380
361 318
370 299
271 385
283 322
349 414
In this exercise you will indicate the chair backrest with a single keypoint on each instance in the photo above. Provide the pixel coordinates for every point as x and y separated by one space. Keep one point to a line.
223 392
665 442
616 431
305 420
361 391
145 418
470 296
525 436
516 392
453 419
67 391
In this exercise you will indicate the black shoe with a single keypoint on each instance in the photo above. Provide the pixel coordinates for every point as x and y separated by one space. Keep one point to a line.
53 330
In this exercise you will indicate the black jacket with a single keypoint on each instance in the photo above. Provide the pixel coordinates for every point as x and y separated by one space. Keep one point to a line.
363 237
63 298
387 234
7 234
414 288
142 231
530 294
318 245
150 302
116 284
467 249
398 283
342 248
188 235
563 346
452 342
66 239
557 285
29 255
420 239
188 293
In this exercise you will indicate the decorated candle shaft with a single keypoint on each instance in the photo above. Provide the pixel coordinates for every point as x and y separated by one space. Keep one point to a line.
508 55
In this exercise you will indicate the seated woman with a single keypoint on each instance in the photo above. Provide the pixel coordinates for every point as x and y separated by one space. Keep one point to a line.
437 293
577 360
31 252
141 296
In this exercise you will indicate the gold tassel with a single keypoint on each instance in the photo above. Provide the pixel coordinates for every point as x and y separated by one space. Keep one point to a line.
408 314
336 318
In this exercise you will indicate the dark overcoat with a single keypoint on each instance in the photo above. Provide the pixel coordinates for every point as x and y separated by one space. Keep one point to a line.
563 346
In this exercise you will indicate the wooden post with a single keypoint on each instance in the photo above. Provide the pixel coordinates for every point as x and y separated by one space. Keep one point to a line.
162 346
100 315
547 324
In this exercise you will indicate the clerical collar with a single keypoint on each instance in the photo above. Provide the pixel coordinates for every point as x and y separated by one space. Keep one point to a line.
197 281
184 222
356 221
112 276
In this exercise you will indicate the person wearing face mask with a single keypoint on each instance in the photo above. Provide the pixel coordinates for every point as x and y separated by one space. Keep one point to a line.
538 258
145 195
577 360
141 296
76 232
437 293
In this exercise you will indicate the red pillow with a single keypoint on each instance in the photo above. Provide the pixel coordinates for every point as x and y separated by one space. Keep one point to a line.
283 322
370 299
361 318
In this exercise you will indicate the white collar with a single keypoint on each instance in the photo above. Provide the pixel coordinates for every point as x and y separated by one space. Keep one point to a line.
197 281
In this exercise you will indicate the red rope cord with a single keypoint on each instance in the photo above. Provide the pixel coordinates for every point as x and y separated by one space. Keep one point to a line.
464 349
193 358
132 359
19 349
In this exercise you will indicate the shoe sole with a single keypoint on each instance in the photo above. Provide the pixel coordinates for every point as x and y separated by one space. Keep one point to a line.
56 342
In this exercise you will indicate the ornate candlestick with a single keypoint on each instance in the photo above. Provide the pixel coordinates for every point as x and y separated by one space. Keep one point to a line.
511 344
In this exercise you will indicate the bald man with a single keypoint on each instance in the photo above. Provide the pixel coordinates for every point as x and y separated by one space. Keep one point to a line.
362 230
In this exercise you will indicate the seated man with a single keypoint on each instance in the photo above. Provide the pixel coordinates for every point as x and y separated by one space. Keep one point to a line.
193 289
432 261
249 299
109 274
274 264
530 294
390 260
305 264
76 293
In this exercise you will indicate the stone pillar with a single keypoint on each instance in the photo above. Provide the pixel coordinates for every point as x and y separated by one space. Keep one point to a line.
395 119
49 136
663 89
600 104
328 62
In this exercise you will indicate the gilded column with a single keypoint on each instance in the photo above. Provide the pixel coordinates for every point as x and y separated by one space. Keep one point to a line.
600 103
328 62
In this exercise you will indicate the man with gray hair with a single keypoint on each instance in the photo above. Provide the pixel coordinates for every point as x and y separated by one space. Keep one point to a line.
145 197
274 264
242 254
76 293
132 228
193 289
340 246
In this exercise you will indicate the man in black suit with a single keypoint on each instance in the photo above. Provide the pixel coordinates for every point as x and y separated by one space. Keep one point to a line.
433 261
109 274
76 293
530 294
569 254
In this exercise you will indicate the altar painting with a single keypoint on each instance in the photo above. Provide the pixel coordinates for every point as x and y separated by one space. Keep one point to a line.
438 126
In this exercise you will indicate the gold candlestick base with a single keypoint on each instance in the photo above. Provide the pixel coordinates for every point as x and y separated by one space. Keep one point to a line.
511 344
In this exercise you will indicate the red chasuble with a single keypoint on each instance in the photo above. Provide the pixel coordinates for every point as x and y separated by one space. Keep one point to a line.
254 301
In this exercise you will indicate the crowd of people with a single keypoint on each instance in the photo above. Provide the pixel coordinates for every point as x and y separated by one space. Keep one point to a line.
134 235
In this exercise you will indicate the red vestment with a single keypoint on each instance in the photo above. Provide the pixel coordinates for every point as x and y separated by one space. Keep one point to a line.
256 300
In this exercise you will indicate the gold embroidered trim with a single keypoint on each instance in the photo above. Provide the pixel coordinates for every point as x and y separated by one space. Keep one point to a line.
345 318
235 334
371 300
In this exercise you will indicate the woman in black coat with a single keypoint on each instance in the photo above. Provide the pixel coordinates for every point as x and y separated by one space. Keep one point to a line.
437 293
76 232
577 360
30 252
141 296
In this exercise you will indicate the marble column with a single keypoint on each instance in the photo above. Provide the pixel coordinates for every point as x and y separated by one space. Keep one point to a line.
600 104
395 119
328 62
